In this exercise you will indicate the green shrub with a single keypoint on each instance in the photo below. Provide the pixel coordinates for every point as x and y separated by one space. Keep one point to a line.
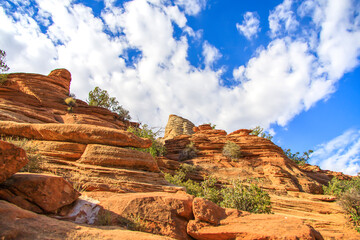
3 78
350 202
259 131
71 102
246 198
300 160
35 159
189 152
242 197
104 217
232 151
338 187
144 131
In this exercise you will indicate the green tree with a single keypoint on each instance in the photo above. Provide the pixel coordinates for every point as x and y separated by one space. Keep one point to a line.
296 157
259 131
3 66
101 98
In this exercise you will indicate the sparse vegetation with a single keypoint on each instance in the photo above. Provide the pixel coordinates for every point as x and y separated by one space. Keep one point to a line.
232 151
259 131
3 78
133 222
189 152
348 192
101 98
157 148
3 66
240 196
246 198
301 160
35 159
104 217
71 102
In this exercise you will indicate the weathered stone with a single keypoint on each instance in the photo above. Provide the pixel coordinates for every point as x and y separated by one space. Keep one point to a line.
12 159
117 157
38 192
78 133
62 150
178 126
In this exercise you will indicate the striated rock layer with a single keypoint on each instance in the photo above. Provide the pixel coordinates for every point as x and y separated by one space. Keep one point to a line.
178 126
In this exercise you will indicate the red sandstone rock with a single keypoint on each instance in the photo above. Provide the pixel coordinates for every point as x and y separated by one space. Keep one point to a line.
12 159
38 192
207 211
78 133
61 150
162 213
108 156
17 223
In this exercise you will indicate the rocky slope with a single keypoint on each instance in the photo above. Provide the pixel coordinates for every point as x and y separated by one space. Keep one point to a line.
91 149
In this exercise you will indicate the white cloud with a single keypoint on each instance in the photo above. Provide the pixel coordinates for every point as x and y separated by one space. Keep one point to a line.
211 54
340 154
283 79
192 7
250 25
282 19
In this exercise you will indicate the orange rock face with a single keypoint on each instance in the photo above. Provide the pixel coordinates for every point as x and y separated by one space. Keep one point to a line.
78 133
38 192
260 159
12 159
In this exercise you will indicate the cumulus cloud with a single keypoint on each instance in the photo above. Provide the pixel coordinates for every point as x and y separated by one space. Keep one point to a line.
131 51
340 154
250 25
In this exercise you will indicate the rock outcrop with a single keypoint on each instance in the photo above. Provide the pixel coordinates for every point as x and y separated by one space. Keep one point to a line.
178 126
12 159
39 193
261 159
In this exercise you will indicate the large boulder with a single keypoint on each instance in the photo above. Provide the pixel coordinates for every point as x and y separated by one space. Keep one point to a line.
78 133
161 213
39 193
12 159
117 157
17 223
178 126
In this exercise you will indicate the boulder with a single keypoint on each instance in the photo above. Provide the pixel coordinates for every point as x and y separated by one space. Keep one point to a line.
17 223
178 126
38 192
160 213
78 133
12 159
117 157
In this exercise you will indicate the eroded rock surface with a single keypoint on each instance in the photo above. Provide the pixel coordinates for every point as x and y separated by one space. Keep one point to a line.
178 126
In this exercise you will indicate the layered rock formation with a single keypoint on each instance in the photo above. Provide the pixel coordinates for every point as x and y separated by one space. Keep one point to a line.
178 126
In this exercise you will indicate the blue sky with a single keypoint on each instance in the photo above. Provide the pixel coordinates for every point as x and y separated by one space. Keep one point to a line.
289 66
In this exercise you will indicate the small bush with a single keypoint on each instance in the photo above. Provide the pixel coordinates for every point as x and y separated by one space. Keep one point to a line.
133 222
246 198
71 102
157 148
104 217
3 78
189 152
350 202
338 187
232 151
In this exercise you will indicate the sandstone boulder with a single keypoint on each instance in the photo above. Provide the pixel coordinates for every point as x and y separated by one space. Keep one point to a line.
161 213
12 159
118 158
17 223
78 133
38 192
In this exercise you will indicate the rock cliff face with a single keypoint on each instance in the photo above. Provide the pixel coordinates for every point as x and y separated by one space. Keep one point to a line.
178 126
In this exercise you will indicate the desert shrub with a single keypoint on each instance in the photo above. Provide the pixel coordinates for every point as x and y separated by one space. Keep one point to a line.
232 151
35 159
296 157
101 98
133 222
350 202
338 187
3 78
210 191
71 102
157 148
259 131
246 198
189 152
104 217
